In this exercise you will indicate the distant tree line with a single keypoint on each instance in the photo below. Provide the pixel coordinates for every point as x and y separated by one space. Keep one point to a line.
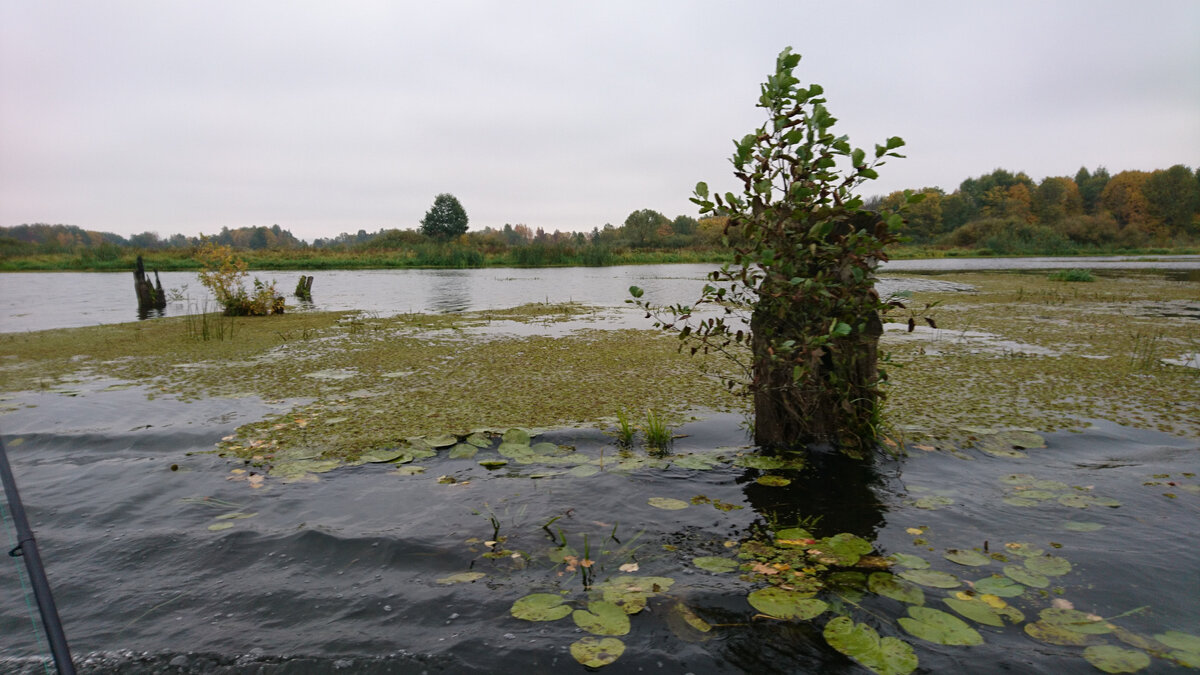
1000 213
1004 212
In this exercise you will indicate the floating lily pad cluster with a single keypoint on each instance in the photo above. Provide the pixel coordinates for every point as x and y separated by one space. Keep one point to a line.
1023 489
605 613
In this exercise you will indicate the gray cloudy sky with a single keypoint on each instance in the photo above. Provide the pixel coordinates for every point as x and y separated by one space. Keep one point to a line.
132 116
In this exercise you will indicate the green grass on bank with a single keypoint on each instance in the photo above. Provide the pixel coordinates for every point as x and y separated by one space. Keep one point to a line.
453 257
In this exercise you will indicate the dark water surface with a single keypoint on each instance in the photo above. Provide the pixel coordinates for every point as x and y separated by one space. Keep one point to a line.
41 300
341 575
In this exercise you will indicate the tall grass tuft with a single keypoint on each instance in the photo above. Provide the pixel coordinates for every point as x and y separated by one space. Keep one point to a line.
1072 275
658 434
624 429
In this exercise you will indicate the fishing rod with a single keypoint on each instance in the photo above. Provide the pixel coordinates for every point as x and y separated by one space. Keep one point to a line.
27 548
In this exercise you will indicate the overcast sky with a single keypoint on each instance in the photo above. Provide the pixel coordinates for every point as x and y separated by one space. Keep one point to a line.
330 117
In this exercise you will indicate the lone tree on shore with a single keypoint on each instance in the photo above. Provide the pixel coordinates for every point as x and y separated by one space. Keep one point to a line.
797 308
446 219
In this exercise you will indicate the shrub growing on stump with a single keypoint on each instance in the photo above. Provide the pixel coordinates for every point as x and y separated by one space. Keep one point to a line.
800 292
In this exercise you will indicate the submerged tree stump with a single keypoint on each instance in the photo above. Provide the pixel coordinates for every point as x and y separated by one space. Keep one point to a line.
149 295
304 288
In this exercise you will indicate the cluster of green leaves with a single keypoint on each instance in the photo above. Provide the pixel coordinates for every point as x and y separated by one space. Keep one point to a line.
804 256
224 274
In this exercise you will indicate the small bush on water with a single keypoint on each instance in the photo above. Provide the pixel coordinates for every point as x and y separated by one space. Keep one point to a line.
1072 275
224 274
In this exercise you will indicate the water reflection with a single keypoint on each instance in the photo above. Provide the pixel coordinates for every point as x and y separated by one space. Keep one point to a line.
842 492
450 291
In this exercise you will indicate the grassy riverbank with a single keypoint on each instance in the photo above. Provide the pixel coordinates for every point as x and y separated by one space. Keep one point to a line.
449 257
1023 351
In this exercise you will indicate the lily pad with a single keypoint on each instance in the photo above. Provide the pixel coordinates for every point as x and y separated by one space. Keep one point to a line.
686 624
1026 577
545 448
584 471
885 656
479 440
463 451
1003 587
1023 549
1017 500
773 481
667 503
602 618
631 593
695 462
1057 635
934 625
914 562
493 463
887 585
409 470
932 503
785 604
981 612
1082 526
1185 647
1048 565
381 455
1114 659
1075 621
793 534
597 653
540 607
966 557
516 436
715 564
217 527
844 548
931 578
461 578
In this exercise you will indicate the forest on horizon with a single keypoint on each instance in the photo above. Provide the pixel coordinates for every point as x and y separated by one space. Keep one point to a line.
1000 213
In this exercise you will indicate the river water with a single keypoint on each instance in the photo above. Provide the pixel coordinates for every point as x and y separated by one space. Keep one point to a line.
352 573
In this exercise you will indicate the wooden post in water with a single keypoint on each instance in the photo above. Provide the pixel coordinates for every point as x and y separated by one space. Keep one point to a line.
149 295
304 288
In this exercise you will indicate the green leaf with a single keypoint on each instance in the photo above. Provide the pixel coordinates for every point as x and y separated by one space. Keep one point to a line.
630 593
602 618
785 604
915 562
667 503
773 481
965 557
999 586
595 653
1057 635
635 291
857 157
887 585
931 578
1075 621
702 189
886 656
463 451
1048 565
540 607
715 564
1114 659
981 612
516 436
846 548
1024 576
934 625
461 578
1082 526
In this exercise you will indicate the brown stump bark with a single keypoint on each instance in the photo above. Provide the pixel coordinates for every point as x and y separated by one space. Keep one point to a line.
787 413
149 295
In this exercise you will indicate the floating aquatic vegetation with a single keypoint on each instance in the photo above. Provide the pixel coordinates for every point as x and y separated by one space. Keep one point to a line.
885 656
784 604
1114 659
595 653
772 480
934 625
889 586
715 564
967 557
931 578
540 607
717 504
461 578
602 618
667 503
989 610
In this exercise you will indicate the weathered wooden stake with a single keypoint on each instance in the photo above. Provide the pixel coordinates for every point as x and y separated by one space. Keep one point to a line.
149 296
